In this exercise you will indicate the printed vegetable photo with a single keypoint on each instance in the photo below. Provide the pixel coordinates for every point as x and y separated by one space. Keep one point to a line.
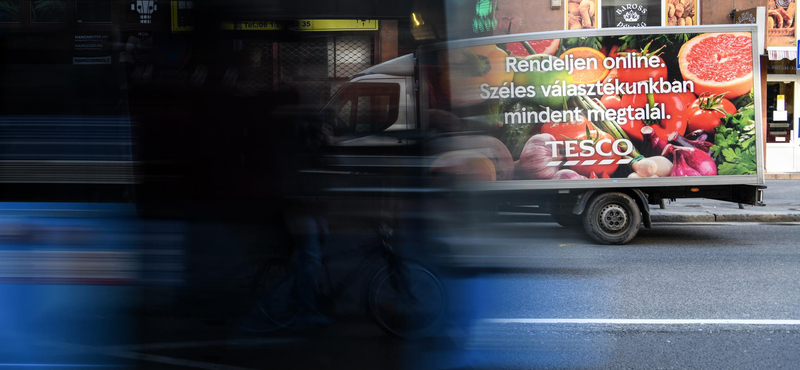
633 106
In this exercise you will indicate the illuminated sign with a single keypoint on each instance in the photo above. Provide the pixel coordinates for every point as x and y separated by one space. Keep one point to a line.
182 13
484 19
305 25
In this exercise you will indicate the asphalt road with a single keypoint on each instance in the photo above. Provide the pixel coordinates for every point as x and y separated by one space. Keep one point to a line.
530 296
660 302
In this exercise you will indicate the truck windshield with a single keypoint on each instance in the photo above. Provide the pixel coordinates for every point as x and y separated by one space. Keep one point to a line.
363 108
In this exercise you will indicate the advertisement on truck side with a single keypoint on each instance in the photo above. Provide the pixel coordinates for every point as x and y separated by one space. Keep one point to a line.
646 106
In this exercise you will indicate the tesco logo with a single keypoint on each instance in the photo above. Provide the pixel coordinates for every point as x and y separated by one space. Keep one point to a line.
588 148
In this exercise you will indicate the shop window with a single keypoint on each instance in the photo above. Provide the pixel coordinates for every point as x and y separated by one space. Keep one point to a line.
48 11
581 14
9 11
627 13
780 111
94 11
781 15
682 12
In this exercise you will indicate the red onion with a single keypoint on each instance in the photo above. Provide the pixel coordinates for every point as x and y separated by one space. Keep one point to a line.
681 169
699 135
653 144
678 139
690 161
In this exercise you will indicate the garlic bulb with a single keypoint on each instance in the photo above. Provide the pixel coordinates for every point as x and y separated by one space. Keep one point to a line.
568 175
535 156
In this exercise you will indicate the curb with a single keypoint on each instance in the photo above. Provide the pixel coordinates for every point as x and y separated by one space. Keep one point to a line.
726 217
662 216
782 176
683 217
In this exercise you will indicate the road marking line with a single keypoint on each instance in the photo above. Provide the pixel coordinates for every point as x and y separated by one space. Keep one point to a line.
644 321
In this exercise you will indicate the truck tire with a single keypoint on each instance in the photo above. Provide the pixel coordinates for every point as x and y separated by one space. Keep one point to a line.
566 219
612 218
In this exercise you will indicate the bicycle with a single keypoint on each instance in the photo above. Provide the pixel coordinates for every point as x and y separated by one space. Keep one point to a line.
404 298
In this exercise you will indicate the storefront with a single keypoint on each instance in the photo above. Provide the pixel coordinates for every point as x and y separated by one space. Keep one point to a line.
782 149
783 142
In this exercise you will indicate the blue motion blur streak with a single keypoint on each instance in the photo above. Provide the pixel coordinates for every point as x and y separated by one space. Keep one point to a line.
71 273
56 365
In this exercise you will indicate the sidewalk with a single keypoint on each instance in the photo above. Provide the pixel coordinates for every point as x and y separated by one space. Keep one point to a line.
782 198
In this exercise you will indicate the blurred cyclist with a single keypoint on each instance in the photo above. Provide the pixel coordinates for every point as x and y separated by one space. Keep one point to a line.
303 208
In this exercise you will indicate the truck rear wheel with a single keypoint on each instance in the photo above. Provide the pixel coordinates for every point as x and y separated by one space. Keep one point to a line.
612 218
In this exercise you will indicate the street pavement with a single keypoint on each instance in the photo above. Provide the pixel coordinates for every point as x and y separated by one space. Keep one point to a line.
710 294
782 199
679 296
537 296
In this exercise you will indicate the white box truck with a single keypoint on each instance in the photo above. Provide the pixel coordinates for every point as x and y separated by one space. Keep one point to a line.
594 126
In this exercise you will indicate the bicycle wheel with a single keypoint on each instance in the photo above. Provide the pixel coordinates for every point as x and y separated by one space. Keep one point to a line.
275 296
407 301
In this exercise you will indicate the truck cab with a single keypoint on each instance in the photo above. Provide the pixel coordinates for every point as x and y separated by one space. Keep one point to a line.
376 108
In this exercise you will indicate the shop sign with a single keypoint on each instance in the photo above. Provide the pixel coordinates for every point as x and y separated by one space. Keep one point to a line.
93 42
91 60
182 14
484 19
93 48
752 16
781 67
747 16
305 25
629 14
633 15
142 12
335 25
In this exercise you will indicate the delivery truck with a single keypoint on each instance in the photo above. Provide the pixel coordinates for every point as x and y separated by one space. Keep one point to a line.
593 126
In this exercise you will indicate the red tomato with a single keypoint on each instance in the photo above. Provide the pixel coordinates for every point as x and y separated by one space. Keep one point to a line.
642 74
603 171
614 51
688 98
611 101
610 52
567 130
673 108
706 113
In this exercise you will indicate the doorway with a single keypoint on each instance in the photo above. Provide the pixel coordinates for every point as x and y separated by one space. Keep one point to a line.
783 154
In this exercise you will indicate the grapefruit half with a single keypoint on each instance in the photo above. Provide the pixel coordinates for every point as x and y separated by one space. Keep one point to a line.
718 63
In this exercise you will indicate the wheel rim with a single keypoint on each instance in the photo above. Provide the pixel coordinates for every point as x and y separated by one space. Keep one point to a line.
613 218
408 313
277 301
